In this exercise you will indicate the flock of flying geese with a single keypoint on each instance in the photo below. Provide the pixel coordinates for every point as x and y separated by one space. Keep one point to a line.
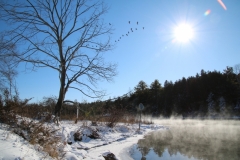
127 34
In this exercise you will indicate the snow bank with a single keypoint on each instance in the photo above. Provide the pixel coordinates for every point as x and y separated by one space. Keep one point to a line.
117 140
14 147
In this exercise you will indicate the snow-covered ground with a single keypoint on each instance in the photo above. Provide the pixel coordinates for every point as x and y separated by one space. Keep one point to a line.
14 147
117 140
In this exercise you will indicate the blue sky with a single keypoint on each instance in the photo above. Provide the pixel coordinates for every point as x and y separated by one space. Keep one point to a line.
150 53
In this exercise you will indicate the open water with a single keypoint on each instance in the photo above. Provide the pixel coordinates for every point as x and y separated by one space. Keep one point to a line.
191 139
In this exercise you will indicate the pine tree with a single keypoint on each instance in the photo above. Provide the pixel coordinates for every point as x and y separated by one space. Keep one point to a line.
141 86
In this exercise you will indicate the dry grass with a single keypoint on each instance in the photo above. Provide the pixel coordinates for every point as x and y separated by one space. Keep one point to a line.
37 133
133 119
115 116
129 119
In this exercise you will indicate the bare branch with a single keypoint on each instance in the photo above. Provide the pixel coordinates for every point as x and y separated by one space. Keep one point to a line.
7 67
68 36
98 94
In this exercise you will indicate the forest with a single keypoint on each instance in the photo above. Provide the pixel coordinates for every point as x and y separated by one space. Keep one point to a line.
210 93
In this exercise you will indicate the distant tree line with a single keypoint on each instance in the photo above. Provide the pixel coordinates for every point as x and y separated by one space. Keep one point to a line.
210 93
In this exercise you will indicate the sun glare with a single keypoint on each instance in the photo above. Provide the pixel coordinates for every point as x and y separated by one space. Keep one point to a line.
183 33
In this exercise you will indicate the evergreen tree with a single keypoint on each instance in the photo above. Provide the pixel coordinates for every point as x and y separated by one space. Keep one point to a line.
141 86
155 85
141 92
155 89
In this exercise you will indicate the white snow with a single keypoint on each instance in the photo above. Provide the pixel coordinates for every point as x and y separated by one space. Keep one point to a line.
14 147
117 140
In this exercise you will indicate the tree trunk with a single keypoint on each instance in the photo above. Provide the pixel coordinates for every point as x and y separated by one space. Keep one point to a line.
61 96
58 106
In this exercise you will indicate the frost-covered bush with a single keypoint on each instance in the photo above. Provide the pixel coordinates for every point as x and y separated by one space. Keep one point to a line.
211 104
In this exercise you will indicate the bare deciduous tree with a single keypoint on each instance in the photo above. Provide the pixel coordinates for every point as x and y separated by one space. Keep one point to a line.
7 70
68 36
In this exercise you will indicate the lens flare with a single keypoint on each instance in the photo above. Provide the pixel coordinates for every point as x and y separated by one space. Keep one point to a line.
222 4
207 12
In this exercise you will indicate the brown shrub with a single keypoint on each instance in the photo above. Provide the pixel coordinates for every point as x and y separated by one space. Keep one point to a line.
115 116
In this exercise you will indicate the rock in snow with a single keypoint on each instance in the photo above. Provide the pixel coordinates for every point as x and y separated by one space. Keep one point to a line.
109 156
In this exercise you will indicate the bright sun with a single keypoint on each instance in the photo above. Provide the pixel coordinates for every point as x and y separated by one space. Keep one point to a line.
183 33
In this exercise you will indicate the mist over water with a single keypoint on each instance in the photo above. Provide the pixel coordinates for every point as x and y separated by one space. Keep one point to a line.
191 139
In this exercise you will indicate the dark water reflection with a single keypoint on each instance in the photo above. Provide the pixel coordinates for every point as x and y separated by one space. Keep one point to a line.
217 140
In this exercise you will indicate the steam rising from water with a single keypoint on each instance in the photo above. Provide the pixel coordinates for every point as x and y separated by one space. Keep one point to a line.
201 139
